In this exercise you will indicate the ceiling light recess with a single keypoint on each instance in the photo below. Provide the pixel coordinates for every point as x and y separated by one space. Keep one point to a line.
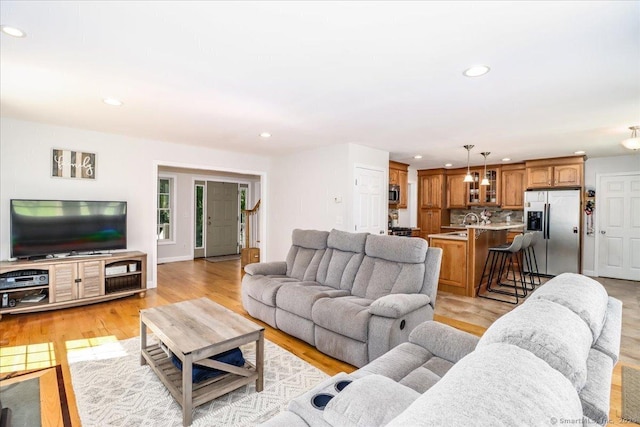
12 31
506 159
468 177
265 135
579 152
476 71
448 165
632 143
113 102
417 156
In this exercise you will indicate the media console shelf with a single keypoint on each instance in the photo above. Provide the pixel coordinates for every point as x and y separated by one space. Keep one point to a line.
31 286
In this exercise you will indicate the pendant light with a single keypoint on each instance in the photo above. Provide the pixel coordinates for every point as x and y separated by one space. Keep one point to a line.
468 177
485 180
632 143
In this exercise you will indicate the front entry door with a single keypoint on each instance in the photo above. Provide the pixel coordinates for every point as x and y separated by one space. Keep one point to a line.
618 209
222 219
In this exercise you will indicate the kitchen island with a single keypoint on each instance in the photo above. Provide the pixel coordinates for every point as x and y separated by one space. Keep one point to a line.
465 252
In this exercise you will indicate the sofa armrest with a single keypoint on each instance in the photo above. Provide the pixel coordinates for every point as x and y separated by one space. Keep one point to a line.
372 400
397 305
266 268
443 340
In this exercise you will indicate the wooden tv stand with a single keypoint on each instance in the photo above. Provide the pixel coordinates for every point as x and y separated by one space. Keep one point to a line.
73 281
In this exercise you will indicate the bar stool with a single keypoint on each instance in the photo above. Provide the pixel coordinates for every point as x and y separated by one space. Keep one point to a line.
498 257
525 261
533 261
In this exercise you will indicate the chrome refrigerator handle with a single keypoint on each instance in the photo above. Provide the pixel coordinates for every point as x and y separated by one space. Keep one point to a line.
547 212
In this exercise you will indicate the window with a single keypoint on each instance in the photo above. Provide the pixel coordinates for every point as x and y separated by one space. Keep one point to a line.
165 206
199 216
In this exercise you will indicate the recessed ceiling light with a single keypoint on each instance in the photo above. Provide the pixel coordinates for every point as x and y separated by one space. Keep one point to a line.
417 156
265 135
476 71
113 102
448 165
579 152
12 31
506 159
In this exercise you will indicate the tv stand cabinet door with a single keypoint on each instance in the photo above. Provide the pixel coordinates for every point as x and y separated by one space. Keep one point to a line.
92 275
62 282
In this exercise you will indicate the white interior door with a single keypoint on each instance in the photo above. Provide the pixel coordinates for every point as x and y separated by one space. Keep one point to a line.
618 217
371 200
222 219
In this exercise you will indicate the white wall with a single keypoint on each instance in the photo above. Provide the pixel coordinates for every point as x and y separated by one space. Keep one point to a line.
409 217
126 170
304 186
593 167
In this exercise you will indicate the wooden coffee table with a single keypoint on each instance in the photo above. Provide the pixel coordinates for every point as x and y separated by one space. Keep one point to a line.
195 330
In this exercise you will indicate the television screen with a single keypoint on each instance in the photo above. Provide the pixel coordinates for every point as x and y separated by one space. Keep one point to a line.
46 227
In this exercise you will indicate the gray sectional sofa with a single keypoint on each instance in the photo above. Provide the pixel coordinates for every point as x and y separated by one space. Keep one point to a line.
548 362
354 296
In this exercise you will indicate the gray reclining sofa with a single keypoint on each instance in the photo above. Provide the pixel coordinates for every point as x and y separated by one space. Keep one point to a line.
548 362
354 296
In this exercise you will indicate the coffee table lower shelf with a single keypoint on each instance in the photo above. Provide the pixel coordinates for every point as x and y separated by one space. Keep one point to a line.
203 391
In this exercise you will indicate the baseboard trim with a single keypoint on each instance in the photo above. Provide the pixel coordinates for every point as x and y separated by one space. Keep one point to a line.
589 273
175 259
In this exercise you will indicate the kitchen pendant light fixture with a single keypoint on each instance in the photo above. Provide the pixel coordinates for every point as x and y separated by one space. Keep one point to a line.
468 177
485 180
632 143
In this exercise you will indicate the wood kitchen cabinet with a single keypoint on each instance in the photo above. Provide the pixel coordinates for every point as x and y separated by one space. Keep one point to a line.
431 188
514 184
431 195
555 173
399 175
456 191
453 269
484 195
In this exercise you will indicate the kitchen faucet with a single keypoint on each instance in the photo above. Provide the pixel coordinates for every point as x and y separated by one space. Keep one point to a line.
464 220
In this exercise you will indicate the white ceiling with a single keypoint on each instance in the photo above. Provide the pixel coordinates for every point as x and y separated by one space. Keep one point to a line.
565 76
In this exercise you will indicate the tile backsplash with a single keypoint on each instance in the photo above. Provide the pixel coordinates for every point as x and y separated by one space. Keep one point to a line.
497 214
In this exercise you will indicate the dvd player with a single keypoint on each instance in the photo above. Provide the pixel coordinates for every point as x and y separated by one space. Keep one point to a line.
23 279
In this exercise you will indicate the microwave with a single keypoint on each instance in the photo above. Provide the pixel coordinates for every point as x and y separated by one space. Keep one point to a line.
394 194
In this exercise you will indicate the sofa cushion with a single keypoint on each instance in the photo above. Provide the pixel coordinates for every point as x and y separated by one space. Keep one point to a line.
580 294
496 385
305 254
443 340
609 340
348 316
596 394
551 331
369 401
378 277
299 298
342 259
410 365
264 288
393 248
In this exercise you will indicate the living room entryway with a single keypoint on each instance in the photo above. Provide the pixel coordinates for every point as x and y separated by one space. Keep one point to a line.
222 219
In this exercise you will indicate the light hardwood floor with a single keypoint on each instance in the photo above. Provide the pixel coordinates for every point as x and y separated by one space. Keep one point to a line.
41 339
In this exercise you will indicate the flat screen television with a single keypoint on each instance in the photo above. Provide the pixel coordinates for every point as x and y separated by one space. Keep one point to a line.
46 227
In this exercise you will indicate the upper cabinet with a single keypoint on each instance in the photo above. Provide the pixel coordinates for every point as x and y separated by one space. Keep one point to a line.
456 191
399 175
513 186
431 184
552 173
484 195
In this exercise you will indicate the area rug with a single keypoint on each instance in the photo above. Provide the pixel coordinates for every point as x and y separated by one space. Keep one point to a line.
222 258
116 390
631 394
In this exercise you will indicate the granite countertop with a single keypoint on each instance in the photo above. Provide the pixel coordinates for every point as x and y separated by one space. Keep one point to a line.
497 226
453 235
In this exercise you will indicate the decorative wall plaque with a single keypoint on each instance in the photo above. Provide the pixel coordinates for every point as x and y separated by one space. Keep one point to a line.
73 164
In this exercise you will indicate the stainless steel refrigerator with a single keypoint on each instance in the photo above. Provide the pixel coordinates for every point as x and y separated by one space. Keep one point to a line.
556 215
